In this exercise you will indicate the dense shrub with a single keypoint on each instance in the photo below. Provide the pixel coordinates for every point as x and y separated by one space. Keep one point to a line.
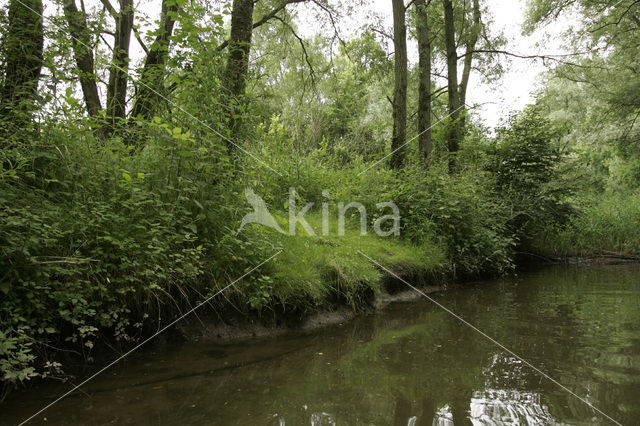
461 211
525 162
100 242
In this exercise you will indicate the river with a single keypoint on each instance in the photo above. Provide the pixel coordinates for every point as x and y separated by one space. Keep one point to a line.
410 364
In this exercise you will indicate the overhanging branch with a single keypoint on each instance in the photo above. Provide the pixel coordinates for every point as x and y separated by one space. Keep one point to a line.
554 58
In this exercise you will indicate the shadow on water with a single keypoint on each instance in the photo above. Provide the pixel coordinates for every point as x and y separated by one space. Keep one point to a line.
412 364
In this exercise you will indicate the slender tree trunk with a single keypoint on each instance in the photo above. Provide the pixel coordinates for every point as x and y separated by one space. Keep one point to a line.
428 412
117 87
400 92
23 63
468 58
238 61
424 89
154 70
83 54
453 138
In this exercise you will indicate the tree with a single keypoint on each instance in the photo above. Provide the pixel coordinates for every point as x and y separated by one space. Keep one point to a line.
23 63
118 74
470 50
235 75
154 70
457 93
83 53
603 81
239 49
424 80
453 138
400 90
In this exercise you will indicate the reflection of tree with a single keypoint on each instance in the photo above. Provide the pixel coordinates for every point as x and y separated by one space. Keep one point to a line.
402 412
412 362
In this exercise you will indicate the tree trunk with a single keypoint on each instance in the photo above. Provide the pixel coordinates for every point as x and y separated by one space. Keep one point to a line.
154 71
266 18
400 92
466 72
238 61
453 137
117 87
83 53
23 63
424 89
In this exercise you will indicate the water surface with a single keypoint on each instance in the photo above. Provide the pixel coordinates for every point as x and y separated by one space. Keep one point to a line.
412 364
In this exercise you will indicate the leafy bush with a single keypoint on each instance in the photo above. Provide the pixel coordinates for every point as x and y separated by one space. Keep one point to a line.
96 241
525 163
461 212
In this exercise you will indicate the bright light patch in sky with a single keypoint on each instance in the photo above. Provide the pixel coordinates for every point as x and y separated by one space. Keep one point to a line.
496 100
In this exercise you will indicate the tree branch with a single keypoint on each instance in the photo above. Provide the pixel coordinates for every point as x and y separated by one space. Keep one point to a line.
304 48
619 18
112 11
382 33
554 58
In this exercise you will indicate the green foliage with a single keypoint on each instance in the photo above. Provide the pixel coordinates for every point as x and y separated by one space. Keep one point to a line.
607 225
102 242
15 360
461 211
96 240
525 162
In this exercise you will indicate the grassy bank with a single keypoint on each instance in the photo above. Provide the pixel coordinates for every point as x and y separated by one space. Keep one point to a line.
317 269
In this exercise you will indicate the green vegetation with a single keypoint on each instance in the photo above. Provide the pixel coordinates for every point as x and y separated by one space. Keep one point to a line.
609 225
117 217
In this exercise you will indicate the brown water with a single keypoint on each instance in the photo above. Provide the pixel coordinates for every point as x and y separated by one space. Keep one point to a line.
412 364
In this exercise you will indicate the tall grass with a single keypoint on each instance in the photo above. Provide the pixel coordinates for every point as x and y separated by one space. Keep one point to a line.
607 224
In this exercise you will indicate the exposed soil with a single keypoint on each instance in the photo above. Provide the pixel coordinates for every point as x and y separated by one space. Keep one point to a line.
214 330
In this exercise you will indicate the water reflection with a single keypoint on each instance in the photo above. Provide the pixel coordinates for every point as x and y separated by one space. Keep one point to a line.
503 406
411 365
508 407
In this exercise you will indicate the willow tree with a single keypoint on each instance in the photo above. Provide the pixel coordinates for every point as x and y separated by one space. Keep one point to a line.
22 64
83 53
119 72
152 74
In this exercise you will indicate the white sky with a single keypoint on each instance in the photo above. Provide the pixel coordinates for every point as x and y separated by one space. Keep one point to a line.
513 91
